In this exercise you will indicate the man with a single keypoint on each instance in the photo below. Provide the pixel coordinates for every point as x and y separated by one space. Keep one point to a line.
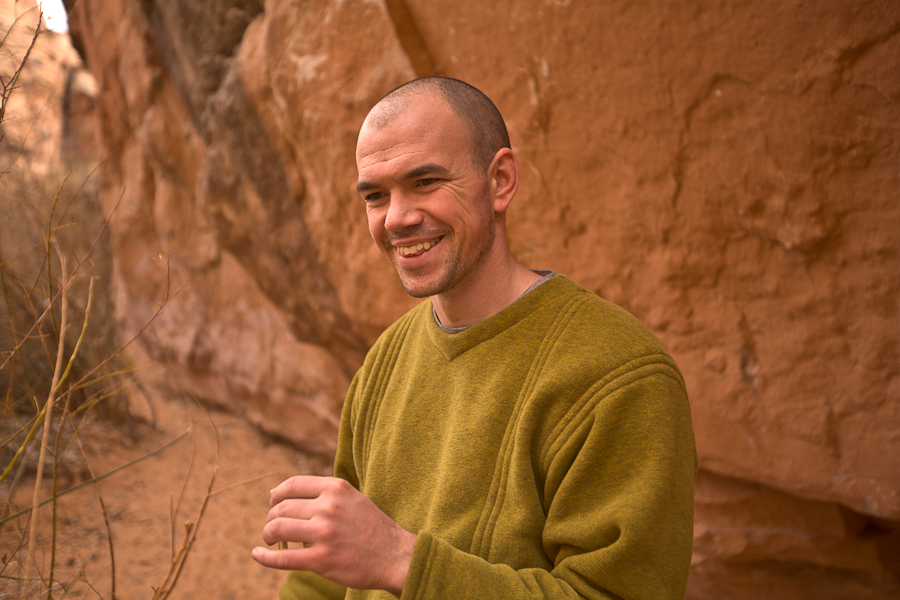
514 436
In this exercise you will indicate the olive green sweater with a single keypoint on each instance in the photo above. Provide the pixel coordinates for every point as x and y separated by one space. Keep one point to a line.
546 452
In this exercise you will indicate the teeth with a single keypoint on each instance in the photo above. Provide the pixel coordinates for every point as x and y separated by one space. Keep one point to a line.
407 250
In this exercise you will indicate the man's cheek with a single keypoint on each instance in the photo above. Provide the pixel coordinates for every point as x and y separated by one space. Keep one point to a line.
377 232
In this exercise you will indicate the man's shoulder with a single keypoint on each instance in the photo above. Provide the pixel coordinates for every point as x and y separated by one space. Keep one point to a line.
592 313
588 329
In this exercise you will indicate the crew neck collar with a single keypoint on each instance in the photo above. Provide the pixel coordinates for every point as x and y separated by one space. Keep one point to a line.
454 344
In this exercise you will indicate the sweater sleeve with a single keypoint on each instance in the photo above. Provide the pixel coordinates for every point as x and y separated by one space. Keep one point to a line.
619 506
306 585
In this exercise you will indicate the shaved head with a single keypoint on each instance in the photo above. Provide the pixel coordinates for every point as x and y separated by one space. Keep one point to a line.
485 126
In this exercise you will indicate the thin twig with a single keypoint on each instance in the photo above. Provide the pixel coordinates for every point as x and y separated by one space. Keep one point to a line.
112 554
8 31
87 313
45 439
171 578
53 513
28 437
53 506
11 84
187 478
228 488
17 433
14 484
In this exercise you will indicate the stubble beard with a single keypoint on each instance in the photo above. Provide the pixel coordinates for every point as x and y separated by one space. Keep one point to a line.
457 264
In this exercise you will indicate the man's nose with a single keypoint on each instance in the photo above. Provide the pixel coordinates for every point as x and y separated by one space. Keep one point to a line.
402 213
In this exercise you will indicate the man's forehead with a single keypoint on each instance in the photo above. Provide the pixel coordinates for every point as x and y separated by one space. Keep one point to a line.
408 112
384 156
416 124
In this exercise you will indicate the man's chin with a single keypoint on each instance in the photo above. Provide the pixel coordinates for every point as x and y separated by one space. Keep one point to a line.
417 289
417 293
419 286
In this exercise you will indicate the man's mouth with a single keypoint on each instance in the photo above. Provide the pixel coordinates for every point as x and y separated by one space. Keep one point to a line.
416 249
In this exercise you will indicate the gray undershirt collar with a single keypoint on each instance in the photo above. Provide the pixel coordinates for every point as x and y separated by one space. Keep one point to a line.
545 276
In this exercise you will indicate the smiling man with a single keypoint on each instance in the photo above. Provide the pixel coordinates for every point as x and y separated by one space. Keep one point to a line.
436 204
514 436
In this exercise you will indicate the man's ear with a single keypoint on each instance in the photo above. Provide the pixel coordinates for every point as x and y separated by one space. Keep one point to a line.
503 178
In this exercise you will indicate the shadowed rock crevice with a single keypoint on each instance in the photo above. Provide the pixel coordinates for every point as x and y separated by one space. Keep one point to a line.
849 56
410 38
763 530
243 186
244 189
196 41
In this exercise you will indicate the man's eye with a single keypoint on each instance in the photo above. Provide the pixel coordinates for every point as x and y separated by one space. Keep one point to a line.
426 182
373 197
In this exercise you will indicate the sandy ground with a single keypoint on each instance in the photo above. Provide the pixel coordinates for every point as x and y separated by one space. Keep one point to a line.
146 517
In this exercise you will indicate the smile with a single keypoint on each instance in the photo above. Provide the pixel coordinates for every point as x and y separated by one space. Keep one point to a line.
416 248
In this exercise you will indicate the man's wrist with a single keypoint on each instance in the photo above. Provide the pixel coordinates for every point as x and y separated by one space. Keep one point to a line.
406 545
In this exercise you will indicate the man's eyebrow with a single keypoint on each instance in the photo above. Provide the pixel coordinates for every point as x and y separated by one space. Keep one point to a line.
426 169
362 186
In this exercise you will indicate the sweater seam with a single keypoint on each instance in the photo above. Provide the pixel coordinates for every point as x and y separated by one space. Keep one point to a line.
372 407
598 392
497 495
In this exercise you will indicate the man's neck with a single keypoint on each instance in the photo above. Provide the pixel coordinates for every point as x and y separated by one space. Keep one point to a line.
484 293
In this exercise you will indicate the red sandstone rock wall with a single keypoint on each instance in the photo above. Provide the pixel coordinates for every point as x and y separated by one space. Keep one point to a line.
729 172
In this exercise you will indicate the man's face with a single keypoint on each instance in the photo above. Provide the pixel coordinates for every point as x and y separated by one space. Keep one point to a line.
428 208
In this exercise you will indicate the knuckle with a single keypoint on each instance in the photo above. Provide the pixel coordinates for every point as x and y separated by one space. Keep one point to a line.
277 528
287 508
339 486
331 485
329 507
274 513
268 535
324 530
